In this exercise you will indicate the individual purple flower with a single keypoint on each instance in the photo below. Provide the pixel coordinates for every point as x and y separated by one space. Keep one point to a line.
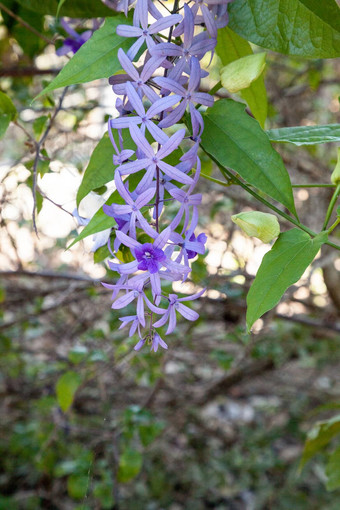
122 154
149 258
153 160
132 207
175 303
138 80
145 33
189 96
135 292
156 341
135 326
145 118
74 42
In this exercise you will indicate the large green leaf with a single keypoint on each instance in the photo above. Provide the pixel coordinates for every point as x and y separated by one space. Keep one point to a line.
310 28
282 266
66 388
100 169
306 135
333 470
319 437
97 58
71 8
231 47
236 140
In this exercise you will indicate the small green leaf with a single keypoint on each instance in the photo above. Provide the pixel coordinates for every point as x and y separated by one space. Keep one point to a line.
319 437
264 226
333 471
282 266
310 28
241 73
306 135
130 464
77 486
8 112
236 140
231 47
39 126
97 58
66 388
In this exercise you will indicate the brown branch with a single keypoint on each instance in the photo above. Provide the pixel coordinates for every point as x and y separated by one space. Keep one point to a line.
26 71
25 24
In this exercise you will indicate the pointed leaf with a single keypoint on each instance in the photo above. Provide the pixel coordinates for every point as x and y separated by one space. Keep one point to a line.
236 140
310 28
97 58
282 266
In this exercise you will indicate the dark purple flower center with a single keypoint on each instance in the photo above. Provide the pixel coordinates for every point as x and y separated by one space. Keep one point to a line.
149 258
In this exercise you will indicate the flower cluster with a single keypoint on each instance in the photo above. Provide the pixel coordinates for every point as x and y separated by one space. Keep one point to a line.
151 99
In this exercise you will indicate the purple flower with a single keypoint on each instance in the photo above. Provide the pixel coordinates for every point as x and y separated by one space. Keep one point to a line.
149 258
144 118
145 33
75 41
175 303
153 160
138 80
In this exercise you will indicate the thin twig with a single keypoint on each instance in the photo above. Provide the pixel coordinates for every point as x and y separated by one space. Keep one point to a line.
37 155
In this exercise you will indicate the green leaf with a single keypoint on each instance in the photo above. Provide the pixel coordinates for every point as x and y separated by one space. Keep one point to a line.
39 126
230 47
333 471
97 58
236 140
66 388
319 437
282 266
310 28
306 135
130 464
241 73
71 8
100 169
8 112
77 486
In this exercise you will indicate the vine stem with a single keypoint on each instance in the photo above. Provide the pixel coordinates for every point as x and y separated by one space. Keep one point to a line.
331 206
271 206
321 185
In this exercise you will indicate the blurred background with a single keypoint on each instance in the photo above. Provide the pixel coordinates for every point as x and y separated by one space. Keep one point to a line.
220 419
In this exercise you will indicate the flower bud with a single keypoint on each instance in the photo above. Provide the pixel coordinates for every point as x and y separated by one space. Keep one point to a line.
335 177
264 226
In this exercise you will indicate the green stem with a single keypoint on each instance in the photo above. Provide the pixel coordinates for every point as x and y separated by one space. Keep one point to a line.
232 177
331 206
332 227
215 88
313 185
217 181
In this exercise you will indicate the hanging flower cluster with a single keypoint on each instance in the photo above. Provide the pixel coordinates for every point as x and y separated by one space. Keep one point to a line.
147 106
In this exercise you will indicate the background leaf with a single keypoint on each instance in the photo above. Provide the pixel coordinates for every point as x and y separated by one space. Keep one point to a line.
236 140
66 388
306 135
319 437
130 464
230 47
282 266
8 112
310 28
72 8
241 73
97 58
333 470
